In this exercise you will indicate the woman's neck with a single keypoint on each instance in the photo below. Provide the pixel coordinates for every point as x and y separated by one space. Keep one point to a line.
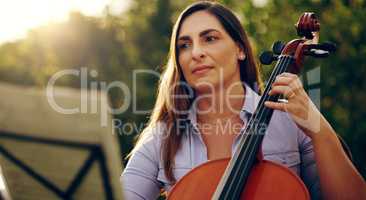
221 104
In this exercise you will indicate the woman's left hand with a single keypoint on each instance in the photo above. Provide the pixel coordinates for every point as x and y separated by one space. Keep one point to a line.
298 105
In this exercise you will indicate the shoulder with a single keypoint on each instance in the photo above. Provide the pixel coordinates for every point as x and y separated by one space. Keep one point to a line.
145 156
150 139
140 176
154 132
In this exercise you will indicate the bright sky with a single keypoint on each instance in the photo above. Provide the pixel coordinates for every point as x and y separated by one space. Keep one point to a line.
18 16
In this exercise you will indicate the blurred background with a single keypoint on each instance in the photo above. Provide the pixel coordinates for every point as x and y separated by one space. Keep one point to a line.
114 37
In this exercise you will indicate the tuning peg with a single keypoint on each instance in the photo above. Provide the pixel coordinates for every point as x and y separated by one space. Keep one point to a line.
267 57
277 47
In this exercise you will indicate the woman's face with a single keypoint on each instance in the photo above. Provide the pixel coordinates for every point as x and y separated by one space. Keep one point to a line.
207 54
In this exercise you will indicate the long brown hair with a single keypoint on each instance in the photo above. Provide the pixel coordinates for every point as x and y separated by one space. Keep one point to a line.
166 106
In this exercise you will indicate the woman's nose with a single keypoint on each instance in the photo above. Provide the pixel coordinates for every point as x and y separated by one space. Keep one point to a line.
198 52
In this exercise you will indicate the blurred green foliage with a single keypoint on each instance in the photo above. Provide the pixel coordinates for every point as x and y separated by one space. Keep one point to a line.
115 45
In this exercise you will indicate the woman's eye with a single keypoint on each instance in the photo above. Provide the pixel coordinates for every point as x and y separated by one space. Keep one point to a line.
211 38
183 46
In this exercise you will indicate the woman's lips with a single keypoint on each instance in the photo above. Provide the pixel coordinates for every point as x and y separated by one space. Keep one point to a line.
201 69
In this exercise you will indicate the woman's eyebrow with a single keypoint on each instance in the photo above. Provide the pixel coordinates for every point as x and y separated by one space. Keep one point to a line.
205 32
202 33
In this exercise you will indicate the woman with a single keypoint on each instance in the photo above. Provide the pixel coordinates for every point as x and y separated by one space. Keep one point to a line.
207 93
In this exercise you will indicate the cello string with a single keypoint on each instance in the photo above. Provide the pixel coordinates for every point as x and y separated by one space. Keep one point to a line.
264 110
282 63
272 76
255 139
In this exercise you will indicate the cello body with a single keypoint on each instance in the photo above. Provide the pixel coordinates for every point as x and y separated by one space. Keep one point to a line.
268 180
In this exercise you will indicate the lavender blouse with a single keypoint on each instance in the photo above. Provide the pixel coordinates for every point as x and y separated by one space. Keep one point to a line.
284 143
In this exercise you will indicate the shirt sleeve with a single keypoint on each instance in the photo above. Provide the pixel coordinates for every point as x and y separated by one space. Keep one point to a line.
139 178
309 172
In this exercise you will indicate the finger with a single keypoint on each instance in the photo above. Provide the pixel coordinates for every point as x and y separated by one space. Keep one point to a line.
276 106
288 74
282 80
281 89
289 79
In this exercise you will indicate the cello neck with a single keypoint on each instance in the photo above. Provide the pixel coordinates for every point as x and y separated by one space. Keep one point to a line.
234 179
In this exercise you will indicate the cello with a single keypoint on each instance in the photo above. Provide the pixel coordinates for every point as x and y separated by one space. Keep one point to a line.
247 175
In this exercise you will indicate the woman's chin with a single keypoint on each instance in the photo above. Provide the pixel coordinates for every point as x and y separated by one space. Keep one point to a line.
205 84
